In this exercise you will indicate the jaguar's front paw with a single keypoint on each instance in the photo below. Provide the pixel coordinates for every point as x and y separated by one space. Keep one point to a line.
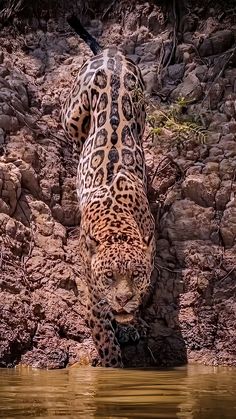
127 335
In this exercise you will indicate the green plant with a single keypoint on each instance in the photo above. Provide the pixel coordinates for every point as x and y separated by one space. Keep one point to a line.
174 121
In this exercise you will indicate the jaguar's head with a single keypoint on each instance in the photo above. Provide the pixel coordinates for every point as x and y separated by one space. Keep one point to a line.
121 274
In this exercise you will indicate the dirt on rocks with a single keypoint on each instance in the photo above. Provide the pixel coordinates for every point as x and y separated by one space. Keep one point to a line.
190 313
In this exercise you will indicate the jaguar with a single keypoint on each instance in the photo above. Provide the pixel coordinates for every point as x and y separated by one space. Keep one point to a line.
104 115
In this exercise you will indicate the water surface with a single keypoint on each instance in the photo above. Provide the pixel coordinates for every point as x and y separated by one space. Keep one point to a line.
193 392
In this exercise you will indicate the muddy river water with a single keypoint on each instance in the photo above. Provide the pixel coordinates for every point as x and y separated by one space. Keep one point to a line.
193 392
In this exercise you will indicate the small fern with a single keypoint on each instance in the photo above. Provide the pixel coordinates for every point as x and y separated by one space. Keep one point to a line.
175 122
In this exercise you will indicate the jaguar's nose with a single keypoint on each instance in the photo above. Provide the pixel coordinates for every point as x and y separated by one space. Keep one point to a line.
123 299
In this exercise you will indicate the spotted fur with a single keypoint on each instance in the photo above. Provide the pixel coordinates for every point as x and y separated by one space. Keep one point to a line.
105 117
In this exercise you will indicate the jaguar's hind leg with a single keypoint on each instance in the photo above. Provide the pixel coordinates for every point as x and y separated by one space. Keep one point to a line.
75 116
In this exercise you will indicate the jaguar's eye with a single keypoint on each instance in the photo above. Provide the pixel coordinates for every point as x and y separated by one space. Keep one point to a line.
109 275
135 274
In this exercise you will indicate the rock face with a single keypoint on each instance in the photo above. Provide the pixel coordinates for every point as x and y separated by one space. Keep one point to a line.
190 313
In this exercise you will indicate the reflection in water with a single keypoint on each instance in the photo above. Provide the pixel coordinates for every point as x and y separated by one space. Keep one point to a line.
193 392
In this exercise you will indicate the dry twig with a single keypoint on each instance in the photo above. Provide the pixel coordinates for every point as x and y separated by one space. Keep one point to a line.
223 68
171 160
158 267
228 273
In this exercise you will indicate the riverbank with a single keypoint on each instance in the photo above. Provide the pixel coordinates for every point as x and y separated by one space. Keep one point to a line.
188 60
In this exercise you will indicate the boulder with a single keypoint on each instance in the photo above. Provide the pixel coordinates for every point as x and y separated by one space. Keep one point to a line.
217 43
201 188
190 89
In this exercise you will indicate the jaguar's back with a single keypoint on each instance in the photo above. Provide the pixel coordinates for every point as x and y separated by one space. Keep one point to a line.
105 103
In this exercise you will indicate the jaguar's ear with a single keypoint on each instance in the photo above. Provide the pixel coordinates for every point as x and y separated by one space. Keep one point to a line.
91 244
147 241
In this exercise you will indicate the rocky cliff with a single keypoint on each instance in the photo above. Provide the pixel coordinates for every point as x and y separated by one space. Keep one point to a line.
187 56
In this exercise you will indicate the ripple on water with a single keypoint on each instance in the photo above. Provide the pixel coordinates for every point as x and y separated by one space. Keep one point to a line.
193 392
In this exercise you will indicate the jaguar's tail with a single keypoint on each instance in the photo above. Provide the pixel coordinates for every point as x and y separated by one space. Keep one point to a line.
81 31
